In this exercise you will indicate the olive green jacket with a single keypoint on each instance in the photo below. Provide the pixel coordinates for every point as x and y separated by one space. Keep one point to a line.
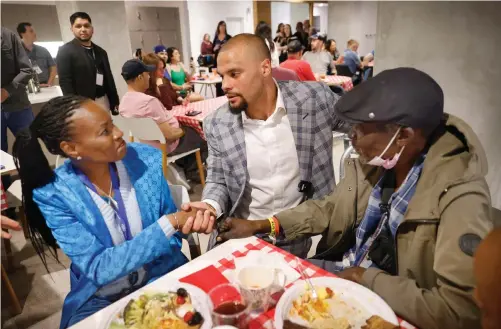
434 286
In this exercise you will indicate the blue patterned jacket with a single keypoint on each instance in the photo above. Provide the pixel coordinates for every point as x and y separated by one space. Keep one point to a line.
81 232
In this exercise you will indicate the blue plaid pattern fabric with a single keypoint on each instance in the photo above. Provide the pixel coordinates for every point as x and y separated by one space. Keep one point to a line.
310 109
373 224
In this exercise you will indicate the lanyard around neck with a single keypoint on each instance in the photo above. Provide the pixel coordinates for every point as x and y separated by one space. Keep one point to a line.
118 205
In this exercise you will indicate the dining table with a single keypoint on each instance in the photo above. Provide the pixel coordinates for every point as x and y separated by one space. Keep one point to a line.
216 267
338 80
207 82
7 164
205 108
45 95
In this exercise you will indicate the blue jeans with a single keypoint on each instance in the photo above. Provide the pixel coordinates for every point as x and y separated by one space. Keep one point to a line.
15 121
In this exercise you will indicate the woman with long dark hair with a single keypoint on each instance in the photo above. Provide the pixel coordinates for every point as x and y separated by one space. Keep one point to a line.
221 36
108 207
263 30
180 76
282 48
280 31
331 47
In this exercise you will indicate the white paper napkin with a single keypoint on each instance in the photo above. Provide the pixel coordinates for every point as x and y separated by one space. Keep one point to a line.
263 259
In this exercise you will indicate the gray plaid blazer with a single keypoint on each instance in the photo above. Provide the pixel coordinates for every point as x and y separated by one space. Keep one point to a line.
310 109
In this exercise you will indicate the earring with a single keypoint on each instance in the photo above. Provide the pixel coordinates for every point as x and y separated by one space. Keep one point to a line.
79 158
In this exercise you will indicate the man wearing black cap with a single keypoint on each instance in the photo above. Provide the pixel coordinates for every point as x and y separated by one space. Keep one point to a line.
136 104
407 217
295 63
319 59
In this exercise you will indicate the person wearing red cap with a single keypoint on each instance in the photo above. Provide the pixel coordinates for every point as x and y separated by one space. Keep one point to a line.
408 215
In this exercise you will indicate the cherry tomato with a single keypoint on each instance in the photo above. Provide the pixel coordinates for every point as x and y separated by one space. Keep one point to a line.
188 316
180 300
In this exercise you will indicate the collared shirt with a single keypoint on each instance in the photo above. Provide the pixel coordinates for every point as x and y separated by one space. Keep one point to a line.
139 105
352 60
373 222
272 164
39 56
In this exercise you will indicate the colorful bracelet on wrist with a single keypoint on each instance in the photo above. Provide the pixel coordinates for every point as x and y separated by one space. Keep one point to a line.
274 226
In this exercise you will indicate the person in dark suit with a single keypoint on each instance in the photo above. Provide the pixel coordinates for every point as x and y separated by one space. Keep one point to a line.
84 68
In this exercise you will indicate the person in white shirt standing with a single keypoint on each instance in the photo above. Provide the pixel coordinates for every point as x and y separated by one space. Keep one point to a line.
270 146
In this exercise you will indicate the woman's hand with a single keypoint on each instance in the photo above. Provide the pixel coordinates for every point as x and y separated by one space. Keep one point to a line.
186 86
196 220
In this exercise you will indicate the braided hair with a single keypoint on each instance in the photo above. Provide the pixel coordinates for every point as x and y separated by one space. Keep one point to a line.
51 125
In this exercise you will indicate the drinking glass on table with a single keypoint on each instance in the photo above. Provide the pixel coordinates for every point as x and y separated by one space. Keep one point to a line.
228 306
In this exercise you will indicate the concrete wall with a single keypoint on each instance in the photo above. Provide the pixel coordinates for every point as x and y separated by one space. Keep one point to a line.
299 12
37 15
204 16
280 13
322 10
353 20
458 44
183 20
288 13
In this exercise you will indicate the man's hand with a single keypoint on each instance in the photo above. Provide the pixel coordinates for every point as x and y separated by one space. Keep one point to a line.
198 204
354 274
45 85
8 223
234 228
5 94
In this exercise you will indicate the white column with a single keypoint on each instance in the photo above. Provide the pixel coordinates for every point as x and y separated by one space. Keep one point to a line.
110 31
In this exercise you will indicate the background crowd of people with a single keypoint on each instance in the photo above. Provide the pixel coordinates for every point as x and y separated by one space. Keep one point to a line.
269 171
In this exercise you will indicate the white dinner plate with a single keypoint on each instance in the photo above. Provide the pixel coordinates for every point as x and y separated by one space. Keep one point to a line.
199 300
355 295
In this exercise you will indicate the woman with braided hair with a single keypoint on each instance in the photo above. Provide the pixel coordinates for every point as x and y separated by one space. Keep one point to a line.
108 207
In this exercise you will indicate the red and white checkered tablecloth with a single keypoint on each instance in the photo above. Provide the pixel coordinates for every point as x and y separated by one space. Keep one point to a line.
339 80
206 107
265 320
3 197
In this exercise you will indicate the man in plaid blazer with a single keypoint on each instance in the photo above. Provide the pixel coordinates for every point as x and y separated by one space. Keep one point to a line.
270 146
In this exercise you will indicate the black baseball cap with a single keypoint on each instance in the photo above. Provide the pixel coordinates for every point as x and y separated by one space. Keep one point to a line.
404 96
134 67
319 36
294 46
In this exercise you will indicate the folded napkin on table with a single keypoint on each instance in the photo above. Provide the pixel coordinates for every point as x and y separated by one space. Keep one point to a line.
205 279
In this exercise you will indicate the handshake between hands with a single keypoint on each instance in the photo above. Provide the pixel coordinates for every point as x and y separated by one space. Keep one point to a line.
200 217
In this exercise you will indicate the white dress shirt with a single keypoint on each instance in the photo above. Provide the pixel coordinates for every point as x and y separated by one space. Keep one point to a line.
272 164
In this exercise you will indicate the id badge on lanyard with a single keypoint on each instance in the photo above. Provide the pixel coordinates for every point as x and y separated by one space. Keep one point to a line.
99 75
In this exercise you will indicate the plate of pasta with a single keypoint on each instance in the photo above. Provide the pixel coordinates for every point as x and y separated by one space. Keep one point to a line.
340 304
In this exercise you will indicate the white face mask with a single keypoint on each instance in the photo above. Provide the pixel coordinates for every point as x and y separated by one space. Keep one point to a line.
388 163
